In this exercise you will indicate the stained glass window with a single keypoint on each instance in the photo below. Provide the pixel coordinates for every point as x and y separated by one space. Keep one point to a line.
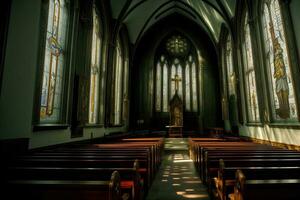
95 70
173 73
179 73
54 62
165 88
177 45
177 70
249 74
278 66
230 72
118 84
158 87
125 97
194 87
187 87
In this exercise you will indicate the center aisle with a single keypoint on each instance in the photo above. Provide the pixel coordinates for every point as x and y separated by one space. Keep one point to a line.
177 177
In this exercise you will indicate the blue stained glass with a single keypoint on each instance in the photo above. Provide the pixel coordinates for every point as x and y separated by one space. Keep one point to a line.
54 59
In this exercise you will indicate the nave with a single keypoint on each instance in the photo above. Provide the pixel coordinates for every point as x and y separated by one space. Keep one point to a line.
177 177
155 168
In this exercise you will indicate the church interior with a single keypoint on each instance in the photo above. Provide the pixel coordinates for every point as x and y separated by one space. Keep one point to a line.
150 99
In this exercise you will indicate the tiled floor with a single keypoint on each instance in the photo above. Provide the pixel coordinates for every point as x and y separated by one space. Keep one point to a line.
177 178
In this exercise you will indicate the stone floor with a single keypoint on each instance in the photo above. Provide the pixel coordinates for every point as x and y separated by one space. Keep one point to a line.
177 177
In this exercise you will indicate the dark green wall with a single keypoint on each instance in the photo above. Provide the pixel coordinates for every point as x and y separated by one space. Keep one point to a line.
142 78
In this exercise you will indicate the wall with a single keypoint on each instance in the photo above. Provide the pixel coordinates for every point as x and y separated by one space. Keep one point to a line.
295 14
286 135
19 76
143 84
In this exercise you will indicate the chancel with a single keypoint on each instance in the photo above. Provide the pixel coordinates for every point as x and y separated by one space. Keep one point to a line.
176 112
150 99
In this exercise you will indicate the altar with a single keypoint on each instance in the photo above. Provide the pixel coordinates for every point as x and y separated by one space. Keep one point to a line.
174 131
176 113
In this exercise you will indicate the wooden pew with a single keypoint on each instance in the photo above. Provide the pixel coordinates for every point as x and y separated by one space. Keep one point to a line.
205 152
155 147
275 189
131 183
113 156
64 189
201 148
112 151
86 163
211 170
225 180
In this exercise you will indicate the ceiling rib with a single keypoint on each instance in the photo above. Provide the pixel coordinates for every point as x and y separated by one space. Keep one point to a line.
166 3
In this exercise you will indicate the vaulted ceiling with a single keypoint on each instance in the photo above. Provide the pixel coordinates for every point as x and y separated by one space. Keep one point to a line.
140 15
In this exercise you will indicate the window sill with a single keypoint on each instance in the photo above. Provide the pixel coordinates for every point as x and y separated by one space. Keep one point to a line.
285 125
254 124
45 127
115 125
93 125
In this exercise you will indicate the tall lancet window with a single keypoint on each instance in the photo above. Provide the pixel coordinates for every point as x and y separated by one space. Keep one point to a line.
229 65
179 74
176 70
278 66
165 88
249 74
118 84
158 82
187 86
194 85
177 67
95 70
54 62
173 73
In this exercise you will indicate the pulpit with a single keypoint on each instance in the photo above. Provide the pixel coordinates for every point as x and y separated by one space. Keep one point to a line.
176 113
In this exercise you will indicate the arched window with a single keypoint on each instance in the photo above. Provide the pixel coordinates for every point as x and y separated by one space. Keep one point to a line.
194 86
165 87
118 77
249 75
187 87
54 63
229 66
158 82
94 100
283 102
176 60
